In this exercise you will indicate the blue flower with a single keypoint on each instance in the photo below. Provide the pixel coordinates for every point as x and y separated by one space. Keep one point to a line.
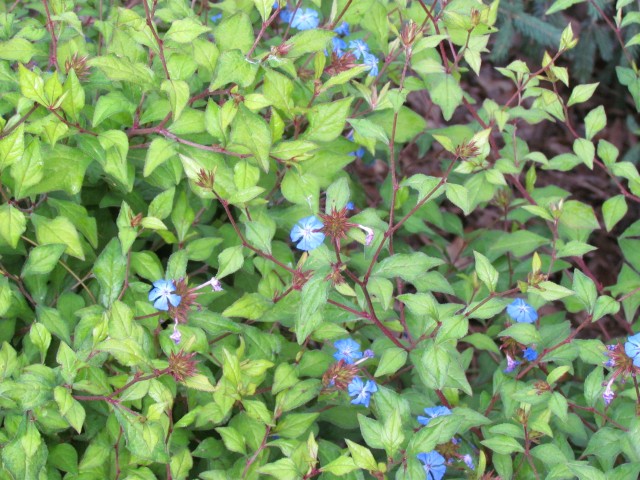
468 461
530 354
305 19
511 364
308 234
361 391
215 18
433 412
350 206
521 311
632 349
342 29
371 61
358 48
285 15
339 46
347 350
433 464
162 295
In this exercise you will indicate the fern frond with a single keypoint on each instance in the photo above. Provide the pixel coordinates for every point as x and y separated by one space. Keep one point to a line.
537 30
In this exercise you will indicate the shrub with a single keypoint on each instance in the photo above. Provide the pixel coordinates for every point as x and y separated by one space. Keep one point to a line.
248 240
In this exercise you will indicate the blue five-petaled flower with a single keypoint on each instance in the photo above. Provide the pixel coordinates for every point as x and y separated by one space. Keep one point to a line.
358 48
371 61
433 464
162 295
361 391
307 233
347 350
305 19
521 311
632 349
433 412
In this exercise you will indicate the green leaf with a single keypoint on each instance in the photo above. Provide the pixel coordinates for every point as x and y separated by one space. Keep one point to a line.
123 69
230 260
264 8
326 121
58 230
362 456
27 172
12 224
252 132
74 97
486 272
585 290
12 147
595 121
42 259
585 151
70 408
613 210
525 333
340 466
605 305
233 67
160 150
445 91
40 337
503 444
185 30
313 296
459 196
392 359
31 85
178 93
26 455
278 89
143 439
283 469
17 50
110 269
582 93
308 41
408 266
80 218
235 32
368 129
551 291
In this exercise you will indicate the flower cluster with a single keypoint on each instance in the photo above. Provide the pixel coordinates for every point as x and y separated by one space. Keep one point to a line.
177 298
310 232
624 360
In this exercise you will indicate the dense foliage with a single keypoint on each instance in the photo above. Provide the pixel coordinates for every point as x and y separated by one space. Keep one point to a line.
253 240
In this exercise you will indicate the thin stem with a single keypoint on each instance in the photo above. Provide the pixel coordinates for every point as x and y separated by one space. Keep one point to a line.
53 48
263 28
19 122
157 38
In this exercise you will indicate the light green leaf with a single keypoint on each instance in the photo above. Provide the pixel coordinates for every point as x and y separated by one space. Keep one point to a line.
12 224
58 230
